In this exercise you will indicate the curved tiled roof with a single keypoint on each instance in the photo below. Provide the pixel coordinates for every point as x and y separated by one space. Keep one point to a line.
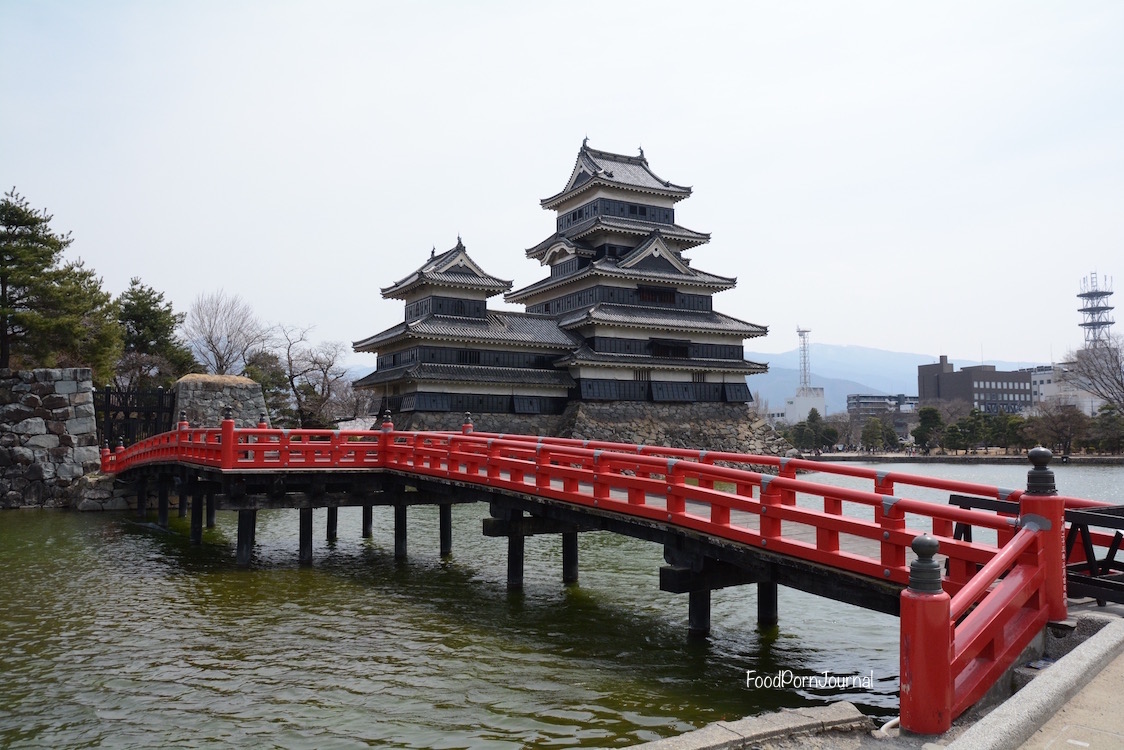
686 321
607 267
467 374
614 170
586 356
498 328
452 268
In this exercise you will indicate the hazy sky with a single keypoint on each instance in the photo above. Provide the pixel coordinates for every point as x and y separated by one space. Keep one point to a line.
934 178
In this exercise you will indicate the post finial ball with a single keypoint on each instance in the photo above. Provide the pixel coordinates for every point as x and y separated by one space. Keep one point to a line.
925 546
1040 456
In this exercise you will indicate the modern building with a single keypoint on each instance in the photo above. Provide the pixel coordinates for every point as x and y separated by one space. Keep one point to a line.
876 405
1049 384
622 315
982 386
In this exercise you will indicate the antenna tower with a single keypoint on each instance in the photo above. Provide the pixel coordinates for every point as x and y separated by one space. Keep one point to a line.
805 371
1095 310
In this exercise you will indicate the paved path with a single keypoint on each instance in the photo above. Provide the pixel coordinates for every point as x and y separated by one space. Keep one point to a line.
1076 703
1093 719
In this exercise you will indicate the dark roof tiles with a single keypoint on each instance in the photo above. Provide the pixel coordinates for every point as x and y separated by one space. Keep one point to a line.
468 374
699 321
498 328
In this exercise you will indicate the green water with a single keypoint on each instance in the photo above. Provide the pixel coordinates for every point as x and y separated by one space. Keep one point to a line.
117 635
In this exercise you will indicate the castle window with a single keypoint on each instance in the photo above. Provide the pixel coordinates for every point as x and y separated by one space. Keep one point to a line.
656 295
670 348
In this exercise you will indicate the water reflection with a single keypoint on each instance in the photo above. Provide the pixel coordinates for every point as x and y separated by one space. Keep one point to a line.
116 634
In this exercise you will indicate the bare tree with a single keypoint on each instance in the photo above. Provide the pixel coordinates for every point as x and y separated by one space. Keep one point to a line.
314 373
1099 370
223 332
1058 425
846 425
952 411
349 403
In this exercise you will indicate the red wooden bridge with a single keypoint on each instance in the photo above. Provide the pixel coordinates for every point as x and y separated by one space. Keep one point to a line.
967 609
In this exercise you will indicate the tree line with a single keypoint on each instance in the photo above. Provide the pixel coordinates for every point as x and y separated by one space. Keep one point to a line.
55 313
954 428
1060 426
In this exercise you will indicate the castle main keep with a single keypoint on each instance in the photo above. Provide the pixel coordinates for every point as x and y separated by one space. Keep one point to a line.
622 319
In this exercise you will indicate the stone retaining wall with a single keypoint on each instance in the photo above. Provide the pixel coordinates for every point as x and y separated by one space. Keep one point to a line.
203 398
710 426
48 435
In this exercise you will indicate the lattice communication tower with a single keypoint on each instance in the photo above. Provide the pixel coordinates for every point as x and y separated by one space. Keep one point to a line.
1095 309
805 370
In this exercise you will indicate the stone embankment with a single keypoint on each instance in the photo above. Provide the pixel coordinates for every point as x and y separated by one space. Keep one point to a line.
733 427
48 435
710 426
202 398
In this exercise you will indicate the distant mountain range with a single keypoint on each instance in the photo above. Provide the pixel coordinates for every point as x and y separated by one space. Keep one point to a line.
841 370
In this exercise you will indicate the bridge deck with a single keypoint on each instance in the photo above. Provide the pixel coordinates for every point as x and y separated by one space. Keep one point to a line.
721 520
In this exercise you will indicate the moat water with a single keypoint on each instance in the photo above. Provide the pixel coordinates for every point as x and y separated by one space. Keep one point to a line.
116 635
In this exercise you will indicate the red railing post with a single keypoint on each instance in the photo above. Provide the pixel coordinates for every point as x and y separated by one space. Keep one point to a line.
926 645
1040 503
466 428
226 450
771 497
385 431
105 458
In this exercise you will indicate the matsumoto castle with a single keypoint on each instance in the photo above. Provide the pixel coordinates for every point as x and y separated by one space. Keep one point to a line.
622 315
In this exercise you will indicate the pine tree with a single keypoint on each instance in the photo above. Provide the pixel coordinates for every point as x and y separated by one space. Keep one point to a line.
153 353
29 251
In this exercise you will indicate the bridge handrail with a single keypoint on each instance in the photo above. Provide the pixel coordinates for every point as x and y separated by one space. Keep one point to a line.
994 598
955 647
884 480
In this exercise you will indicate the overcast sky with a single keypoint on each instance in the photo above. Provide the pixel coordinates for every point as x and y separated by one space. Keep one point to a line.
932 178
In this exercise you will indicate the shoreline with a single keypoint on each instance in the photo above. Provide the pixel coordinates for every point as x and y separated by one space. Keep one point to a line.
898 458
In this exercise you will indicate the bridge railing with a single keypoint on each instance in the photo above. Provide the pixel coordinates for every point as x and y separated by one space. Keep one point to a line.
957 636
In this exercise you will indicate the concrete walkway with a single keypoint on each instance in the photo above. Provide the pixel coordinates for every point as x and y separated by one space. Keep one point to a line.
1078 702
1094 718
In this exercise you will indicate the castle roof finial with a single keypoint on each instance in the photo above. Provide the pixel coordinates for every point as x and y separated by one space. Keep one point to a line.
460 245
433 253
585 141
641 152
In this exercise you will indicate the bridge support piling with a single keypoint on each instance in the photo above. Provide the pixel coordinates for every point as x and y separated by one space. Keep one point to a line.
162 501
333 523
768 614
183 495
569 557
210 507
246 523
515 553
400 532
306 536
142 498
445 521
368 521
196 513
698 613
